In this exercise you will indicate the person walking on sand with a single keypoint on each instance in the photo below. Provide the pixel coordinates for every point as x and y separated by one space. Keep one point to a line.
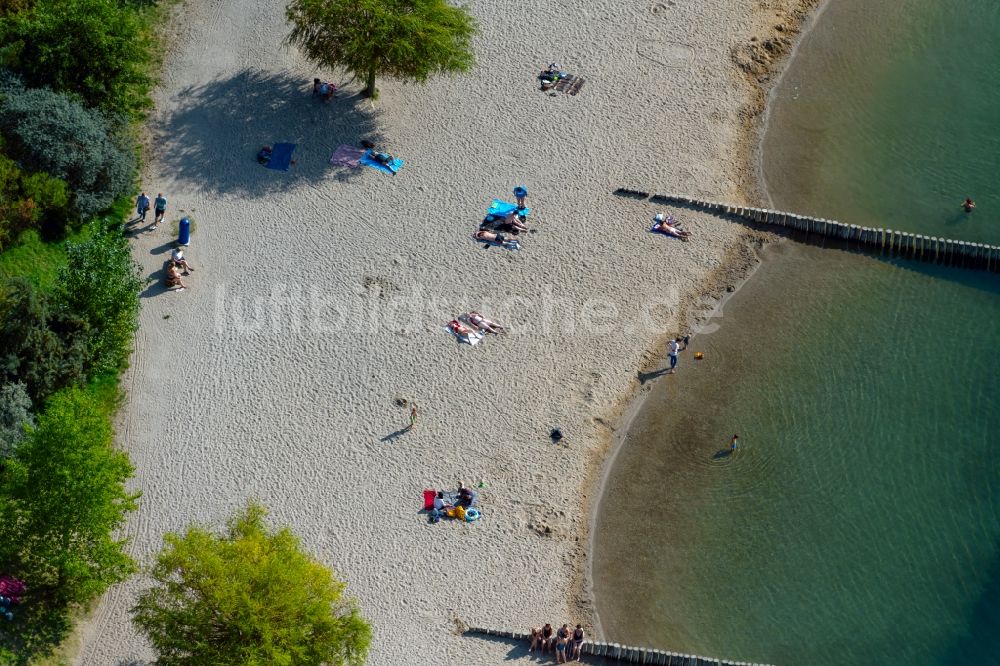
159 208
520 193
673 348
142 206
413 417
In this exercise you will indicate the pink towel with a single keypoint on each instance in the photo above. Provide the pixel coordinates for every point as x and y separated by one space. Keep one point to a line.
348 156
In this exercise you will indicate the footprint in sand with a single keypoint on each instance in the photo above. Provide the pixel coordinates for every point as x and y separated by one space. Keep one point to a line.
661 7
665 53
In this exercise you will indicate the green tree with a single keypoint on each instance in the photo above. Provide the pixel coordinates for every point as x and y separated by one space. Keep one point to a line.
100 284
95 49
44 349
15 414
251 597
62 495
406 39
53 133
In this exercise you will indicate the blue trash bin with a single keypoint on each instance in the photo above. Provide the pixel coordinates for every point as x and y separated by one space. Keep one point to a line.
184 237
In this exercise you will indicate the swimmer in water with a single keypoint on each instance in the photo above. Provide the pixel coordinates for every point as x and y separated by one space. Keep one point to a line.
968 205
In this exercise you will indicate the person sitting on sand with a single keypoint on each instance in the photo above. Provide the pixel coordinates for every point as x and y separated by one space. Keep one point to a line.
466 496
174 277
264 155
177 256
499 239
669 227
968 204
484 324
439 502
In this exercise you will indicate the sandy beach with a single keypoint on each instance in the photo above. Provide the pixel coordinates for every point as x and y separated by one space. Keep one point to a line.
320 294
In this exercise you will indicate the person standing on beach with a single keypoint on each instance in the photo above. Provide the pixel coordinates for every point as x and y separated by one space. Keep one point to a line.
673 348
520 193
142 206
578 638
732 444
413 417
159 208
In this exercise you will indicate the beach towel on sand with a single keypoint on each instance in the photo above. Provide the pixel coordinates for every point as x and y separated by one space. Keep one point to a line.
348 156
569 84
499 207
429 495
472 339
281 156
367 160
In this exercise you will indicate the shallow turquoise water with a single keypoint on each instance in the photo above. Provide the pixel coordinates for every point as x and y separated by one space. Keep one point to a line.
859 522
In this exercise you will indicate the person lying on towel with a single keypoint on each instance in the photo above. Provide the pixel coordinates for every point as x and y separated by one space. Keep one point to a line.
460 329
512 222
669 227
499 239
385 159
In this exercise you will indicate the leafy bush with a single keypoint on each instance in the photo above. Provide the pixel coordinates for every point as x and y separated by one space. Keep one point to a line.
95 49
42 348
62 495
249 597
100 284
53 133
31 201
15 414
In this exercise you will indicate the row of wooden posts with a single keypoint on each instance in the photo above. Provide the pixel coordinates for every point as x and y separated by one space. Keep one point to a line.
902 244
624 653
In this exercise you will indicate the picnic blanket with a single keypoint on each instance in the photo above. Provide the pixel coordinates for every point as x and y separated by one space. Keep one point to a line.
570 84
349 156
281 156
367 160
499 207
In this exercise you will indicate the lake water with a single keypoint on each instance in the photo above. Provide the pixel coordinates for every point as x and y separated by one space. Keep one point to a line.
859 520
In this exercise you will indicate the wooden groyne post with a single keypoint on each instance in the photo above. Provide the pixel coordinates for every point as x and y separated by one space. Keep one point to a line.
623 653
945 251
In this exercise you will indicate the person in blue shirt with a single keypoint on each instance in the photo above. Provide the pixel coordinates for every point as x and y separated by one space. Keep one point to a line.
520 193
142 206
159 208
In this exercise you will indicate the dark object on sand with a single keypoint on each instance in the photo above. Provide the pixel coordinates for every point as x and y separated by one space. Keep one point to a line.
365 143
556 434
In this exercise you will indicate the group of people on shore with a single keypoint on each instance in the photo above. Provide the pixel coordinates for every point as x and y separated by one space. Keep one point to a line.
496 226
566 644
159 208
460 505
177 265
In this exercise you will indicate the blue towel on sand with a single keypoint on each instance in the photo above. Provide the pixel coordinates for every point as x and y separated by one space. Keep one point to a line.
367 160
502 208
281 156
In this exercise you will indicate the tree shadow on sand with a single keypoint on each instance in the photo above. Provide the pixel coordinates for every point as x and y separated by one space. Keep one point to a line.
209 141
